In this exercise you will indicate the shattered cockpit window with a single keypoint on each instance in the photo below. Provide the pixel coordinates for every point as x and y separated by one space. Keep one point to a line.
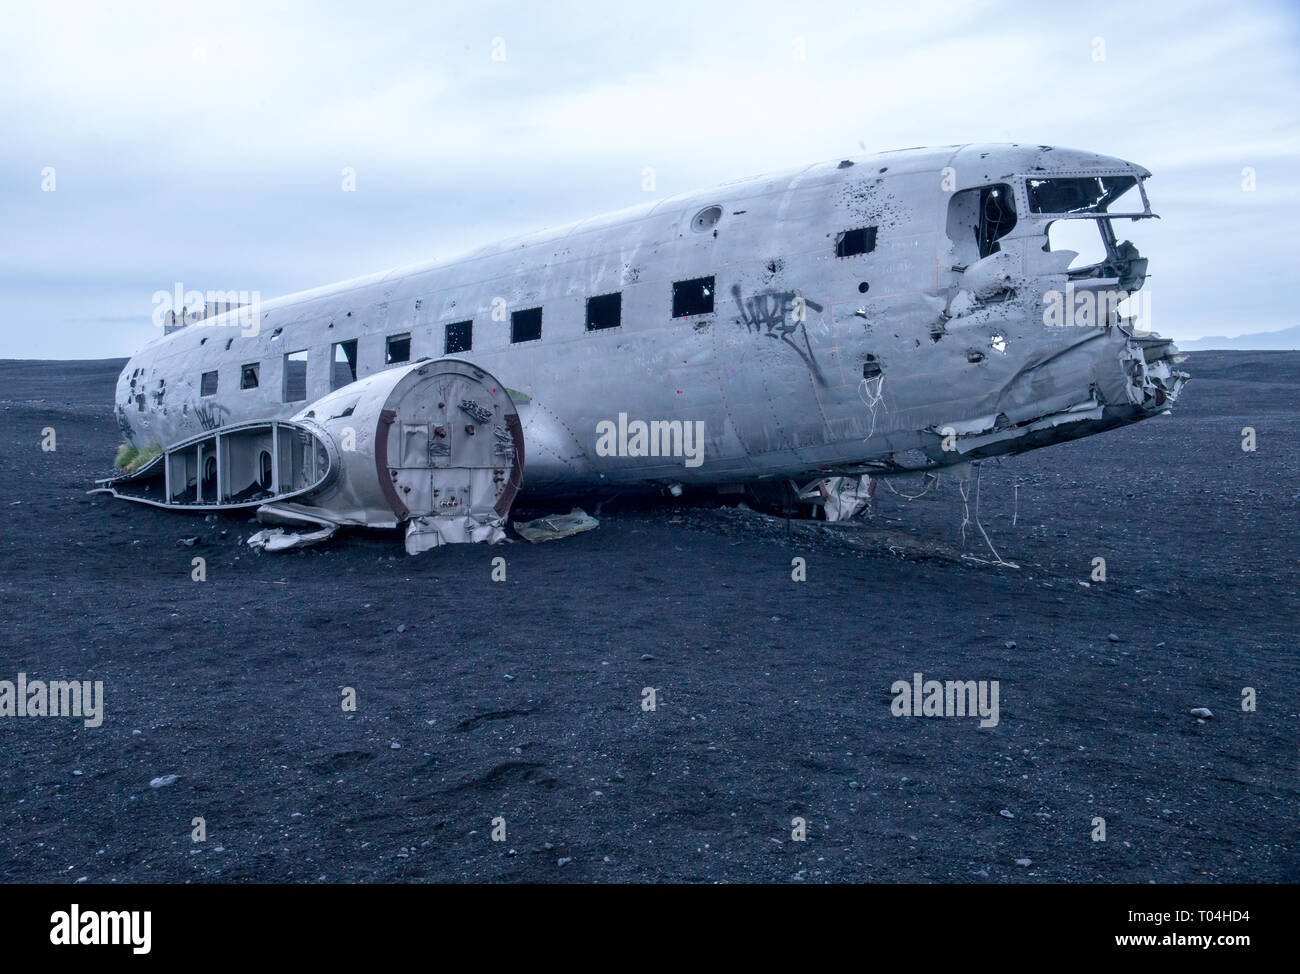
1077 194
1084 212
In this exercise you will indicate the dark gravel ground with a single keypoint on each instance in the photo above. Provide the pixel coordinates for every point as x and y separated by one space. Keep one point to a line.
522 699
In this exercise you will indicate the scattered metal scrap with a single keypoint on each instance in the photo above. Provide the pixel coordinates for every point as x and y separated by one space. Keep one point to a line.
840 498
557 526
277 539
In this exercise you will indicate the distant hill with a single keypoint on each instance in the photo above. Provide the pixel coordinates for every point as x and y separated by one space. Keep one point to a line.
1286 339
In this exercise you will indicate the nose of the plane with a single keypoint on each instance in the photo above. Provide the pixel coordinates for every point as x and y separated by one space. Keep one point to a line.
1147 378
1100 379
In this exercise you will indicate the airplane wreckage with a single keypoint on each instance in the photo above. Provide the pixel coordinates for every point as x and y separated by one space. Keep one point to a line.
901 312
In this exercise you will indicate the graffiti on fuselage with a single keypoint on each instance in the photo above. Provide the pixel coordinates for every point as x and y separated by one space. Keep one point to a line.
780 315
210 415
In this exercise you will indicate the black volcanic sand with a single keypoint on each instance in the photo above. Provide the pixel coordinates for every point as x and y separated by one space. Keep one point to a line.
522 699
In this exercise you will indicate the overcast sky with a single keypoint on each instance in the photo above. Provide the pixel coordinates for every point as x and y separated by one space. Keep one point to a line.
205 144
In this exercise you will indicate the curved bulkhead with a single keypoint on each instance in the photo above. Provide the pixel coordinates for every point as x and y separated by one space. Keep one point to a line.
436 445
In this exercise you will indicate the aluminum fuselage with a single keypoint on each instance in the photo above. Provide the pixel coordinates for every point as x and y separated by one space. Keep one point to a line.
809 362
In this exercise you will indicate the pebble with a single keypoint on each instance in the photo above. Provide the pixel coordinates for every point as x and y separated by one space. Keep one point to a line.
164 781
1006 813
1202 712
1024 862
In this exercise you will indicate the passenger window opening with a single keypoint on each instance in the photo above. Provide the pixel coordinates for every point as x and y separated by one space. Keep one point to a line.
526 325
248 375
264 470
295 376
605 311
345 364
459 337
208 384
693 297
850 243
397 349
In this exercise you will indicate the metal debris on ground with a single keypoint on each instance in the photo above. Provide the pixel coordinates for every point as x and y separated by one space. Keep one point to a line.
557 526
277 539
840 498
432 531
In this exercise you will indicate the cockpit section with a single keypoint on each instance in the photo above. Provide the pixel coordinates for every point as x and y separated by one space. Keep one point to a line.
1046 235
1082 211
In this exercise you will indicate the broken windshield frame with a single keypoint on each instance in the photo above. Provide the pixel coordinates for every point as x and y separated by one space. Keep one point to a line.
1123 262
1085 197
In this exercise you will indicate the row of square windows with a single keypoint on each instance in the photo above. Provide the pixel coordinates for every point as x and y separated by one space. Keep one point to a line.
693 297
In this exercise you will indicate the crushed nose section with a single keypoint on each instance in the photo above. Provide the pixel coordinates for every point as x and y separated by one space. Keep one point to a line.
1154 383
1110 379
